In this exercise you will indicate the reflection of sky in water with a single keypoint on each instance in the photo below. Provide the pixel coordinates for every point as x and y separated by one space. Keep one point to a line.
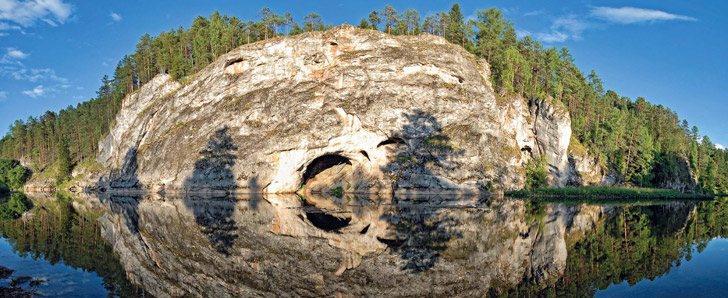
63 281
703 276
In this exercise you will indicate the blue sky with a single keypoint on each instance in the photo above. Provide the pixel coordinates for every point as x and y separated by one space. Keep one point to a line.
53 53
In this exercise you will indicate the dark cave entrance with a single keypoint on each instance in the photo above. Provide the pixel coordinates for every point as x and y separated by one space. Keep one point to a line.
392 141
323 163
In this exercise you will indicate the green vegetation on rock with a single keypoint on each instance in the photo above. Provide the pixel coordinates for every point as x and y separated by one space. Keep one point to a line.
611 194
12 175
536 175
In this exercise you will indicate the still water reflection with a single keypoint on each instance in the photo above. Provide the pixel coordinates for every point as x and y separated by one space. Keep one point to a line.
286 245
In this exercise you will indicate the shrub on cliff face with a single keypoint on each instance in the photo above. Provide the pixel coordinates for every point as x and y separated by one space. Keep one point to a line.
536 175
12 174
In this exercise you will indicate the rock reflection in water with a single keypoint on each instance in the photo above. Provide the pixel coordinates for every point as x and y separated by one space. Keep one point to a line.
286 245
364 246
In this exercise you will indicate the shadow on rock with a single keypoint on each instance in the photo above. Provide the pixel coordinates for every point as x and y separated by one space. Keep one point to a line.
213 172
422 228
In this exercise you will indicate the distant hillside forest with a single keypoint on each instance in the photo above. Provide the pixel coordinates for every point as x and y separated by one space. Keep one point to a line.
642 143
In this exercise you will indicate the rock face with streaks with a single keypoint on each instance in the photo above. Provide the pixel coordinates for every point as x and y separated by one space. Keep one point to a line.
347 109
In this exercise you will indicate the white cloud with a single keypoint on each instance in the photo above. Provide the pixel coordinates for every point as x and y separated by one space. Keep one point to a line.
36 92
5 27
562 29
13 56
719 147
533 13
16 54
115 16
572 26
32 74
3 95
631 15
27 13
522 33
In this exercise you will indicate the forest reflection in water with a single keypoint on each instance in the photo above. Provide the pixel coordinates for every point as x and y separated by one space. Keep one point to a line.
370 245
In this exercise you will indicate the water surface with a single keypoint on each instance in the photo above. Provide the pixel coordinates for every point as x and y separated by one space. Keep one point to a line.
286 245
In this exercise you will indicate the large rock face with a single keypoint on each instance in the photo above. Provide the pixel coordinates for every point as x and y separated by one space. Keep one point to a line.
349 108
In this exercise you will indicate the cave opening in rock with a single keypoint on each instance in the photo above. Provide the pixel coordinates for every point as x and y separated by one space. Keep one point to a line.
391 141
323 163
365 154
231 62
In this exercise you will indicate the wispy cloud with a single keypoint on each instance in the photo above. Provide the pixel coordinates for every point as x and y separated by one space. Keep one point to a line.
13 56
5 27
16 54
115 16
533 13
522 33
38 91
3 95
631 15
564 28
572 27
28 13
31 74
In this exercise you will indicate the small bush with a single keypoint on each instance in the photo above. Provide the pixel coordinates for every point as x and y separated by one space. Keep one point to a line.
12 174
536 175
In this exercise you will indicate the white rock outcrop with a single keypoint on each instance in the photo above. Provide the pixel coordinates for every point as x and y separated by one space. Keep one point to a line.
405 113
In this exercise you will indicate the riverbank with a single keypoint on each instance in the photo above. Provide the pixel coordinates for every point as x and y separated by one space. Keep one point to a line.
607 194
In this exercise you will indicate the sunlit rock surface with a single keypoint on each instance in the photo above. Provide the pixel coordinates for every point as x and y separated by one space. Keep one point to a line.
394 112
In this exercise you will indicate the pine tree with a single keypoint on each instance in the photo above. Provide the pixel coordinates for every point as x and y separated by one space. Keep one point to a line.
390 17
374 19
456 26
64 161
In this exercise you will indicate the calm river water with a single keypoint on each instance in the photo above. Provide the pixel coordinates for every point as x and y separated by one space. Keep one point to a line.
373 246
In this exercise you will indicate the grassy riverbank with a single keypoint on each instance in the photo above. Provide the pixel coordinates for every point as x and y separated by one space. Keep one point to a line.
606 194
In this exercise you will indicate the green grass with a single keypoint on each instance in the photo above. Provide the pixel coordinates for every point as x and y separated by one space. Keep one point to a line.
337 192
605 194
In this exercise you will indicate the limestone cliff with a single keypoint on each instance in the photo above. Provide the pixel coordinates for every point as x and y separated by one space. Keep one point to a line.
353 109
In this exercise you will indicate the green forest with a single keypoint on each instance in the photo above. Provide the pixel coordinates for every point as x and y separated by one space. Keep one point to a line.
643 144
